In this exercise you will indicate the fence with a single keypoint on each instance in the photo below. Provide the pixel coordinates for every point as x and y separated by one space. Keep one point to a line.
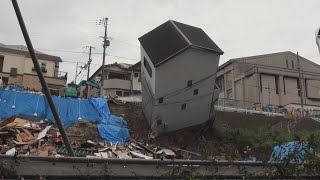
224 104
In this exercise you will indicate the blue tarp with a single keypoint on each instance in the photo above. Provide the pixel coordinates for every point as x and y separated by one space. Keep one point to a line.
294 150
95 110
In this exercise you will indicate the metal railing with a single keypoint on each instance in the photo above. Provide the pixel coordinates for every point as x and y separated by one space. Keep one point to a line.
61 75
224 104
247 105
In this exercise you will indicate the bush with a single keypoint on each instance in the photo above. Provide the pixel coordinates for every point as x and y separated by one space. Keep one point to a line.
264 139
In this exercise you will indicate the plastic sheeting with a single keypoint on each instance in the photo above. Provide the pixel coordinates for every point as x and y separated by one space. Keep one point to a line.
95 110
294 151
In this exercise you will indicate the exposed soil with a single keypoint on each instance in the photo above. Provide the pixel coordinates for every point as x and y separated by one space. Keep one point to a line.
80 132
197 139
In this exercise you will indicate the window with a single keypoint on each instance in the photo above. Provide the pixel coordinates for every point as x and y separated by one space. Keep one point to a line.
189 83
1 63
126 93
284 86
147 66
160 100
136 74
13 71
42 67
119 93
287 63
260 83
292 63
220 82
113 75
195 92
277 84
183 106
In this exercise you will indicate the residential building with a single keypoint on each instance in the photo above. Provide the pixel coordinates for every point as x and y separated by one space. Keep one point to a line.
178 69
16 66
120 79
271 79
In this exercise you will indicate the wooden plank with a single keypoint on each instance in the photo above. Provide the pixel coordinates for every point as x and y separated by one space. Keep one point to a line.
7 121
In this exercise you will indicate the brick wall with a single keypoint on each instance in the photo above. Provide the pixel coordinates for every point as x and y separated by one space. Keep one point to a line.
33 81
12 79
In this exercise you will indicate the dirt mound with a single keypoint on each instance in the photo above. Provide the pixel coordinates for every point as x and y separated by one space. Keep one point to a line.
80 132
132 113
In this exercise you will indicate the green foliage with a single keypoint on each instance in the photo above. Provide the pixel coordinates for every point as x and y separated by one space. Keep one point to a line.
264 139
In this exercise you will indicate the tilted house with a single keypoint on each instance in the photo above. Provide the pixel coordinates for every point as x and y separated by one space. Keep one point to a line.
178 70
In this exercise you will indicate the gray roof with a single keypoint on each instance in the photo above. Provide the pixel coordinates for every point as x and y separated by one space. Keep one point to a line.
171 38
23 50
264 55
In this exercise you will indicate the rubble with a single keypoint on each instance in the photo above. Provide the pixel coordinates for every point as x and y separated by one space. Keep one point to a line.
34 138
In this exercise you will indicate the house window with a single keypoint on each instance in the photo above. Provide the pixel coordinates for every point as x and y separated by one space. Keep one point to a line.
183 106
260 83
119 93
126 93
277 84
113 75
287 63
220 82
292 63
284 86
160 100
147 66
189 83
13 71
43 67
136 74
195 92
1 63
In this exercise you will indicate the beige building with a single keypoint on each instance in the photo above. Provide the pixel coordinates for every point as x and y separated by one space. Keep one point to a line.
16 67
120 79
270 79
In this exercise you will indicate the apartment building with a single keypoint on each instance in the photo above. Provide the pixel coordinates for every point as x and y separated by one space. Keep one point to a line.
16 67
120 79
271 79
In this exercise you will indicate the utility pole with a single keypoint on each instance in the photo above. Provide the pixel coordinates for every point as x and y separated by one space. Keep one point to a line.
300 85
106 43
88 66
75 78
41 77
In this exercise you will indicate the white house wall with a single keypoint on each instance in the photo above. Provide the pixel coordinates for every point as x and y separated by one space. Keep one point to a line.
172 76
150 81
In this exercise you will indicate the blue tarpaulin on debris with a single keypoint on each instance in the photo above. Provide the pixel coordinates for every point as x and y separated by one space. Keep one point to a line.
95 110
295 151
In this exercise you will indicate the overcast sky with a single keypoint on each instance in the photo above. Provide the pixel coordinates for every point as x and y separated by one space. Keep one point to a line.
239 27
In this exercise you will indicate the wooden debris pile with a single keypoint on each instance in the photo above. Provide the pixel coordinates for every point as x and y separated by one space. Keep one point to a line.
24 137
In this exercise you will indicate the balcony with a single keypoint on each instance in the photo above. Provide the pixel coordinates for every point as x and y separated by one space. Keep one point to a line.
117 84
61 75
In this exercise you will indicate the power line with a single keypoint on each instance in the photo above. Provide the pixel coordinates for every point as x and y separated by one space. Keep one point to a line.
81 52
